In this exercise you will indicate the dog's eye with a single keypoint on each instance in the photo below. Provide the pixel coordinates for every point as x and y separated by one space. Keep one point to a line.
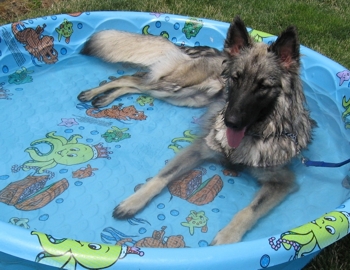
263 85
234 78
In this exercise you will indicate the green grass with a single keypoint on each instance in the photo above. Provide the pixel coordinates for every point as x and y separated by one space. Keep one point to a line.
323 26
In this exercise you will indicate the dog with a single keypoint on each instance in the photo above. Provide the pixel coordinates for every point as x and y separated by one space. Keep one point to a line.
256 119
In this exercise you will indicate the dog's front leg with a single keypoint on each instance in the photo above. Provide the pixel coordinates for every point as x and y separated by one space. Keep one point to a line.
189 158
276 184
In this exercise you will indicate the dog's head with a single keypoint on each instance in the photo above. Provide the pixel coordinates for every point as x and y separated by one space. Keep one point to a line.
254 75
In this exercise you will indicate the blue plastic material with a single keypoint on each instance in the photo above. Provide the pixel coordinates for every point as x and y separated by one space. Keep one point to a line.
47 199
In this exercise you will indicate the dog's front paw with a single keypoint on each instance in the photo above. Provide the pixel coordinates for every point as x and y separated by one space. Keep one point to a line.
121 212
139 199
129 207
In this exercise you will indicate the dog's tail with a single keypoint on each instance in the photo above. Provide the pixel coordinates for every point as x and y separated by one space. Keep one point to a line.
145 50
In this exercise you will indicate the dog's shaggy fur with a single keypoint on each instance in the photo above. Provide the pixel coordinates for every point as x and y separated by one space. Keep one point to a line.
256 114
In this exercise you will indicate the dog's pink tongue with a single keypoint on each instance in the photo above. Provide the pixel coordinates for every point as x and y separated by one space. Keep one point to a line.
234 137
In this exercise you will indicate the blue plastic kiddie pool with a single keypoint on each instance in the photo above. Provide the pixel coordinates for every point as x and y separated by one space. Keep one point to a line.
46 200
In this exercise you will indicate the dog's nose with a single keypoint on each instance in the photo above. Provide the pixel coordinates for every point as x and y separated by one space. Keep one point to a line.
233 121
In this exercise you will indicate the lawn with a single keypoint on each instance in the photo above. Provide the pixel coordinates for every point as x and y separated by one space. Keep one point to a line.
323 25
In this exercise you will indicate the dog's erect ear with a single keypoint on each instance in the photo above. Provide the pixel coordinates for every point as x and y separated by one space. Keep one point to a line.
237 37
287 47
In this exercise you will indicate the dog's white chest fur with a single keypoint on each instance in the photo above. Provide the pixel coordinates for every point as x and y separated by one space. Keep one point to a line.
217 139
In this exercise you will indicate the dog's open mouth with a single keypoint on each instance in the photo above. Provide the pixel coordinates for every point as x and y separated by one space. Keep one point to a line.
234 136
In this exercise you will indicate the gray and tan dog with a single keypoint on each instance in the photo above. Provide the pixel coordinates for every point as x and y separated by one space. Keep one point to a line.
256 117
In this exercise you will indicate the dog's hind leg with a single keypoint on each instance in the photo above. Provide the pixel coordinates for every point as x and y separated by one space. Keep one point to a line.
133 84
276 185
186 160
105 94
107 98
